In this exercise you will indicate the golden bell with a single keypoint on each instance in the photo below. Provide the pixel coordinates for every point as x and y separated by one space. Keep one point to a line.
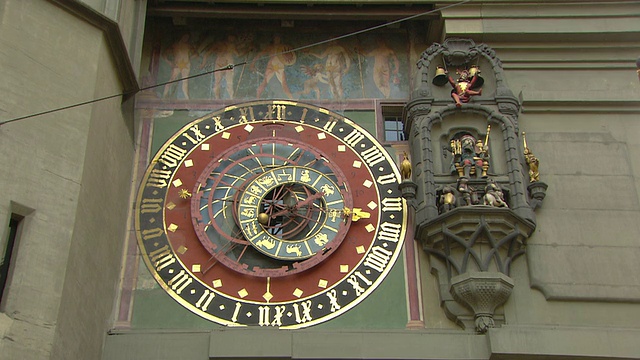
441 77
475 72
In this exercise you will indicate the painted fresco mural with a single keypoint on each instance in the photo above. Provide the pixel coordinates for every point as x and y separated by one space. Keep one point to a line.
282 65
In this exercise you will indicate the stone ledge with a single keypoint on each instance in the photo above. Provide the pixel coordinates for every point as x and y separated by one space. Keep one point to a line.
508 342
512 342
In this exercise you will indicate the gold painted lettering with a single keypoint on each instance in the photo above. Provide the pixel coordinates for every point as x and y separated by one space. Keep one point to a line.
328 127
172 155
277 112
333 300
392 204
205 300
246 115
378 258
150 206
387 179
162 258
151 233
180 281
195 129
354 138
372 156
158 178
389 232
304 315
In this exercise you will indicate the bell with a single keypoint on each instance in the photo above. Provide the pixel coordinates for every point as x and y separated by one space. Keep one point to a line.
441 77
475 72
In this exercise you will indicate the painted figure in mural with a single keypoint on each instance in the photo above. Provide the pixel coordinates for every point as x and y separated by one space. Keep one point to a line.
280 56
316 77
337 64
493 194
463 87
385 64
225 53
179 56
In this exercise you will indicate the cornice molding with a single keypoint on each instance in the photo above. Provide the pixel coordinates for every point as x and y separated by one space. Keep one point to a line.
113 36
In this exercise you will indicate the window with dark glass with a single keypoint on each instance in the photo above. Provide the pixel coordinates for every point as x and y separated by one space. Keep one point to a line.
7 254
393 128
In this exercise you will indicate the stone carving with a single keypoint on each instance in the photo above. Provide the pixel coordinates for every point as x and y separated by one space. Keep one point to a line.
483 192
448 199
531 160
463 88
470 156
537 189
472 219
468 193
493 195
482 292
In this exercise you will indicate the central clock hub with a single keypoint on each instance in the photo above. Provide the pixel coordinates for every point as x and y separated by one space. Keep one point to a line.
303 209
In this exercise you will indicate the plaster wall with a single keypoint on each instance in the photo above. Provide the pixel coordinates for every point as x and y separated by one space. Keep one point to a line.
66 264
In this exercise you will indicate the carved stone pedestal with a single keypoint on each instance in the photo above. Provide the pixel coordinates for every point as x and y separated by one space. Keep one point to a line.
537 192
482 292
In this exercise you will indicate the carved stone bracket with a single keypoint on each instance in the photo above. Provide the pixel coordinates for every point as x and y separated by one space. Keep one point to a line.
471 250
537 192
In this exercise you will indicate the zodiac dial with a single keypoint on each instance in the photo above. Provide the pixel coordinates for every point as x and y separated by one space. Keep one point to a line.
270 213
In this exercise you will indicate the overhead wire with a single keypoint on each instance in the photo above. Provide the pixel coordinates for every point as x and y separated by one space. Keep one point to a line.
232 66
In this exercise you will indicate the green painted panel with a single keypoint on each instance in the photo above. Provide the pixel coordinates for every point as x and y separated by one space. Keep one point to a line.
385 308
366 119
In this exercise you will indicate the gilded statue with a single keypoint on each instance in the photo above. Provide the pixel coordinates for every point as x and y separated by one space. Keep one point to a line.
531 160
405 167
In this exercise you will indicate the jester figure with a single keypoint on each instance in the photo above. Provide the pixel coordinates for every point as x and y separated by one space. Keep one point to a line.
462 88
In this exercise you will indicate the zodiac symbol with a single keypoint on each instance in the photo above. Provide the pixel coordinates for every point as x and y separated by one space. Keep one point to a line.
256 189
327 189
266 181
333 214
248 213
266 243
249 200
284 175
305 176
321 239
294 249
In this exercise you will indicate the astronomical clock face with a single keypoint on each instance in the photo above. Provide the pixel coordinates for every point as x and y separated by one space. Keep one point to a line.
270 213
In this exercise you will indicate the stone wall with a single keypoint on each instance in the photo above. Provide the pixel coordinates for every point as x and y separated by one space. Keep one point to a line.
68 173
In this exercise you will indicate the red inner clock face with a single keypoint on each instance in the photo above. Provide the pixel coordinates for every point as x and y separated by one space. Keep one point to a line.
204 232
